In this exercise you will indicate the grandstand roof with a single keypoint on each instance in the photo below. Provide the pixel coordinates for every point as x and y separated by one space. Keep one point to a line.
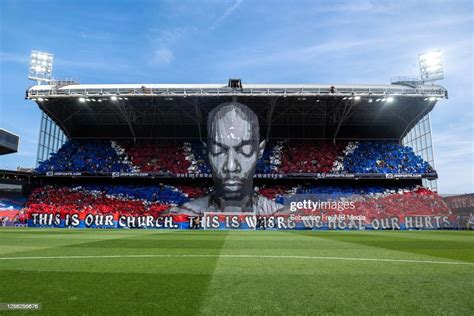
284 110
8 142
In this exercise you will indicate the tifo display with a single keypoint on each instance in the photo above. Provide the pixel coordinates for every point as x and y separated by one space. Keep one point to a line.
340 207
279 157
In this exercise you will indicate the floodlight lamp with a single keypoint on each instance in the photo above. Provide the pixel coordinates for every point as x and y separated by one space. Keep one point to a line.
390 99
432 99
113 98
431 66
82 100
357 98
41 66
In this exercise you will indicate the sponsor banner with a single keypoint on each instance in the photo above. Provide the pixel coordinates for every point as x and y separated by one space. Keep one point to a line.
461 203
402 176
256 176
462 207
63 174
242 221
129 174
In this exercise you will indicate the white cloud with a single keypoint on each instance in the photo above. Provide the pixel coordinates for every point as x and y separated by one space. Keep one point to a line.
6 57
162 56
226 13
308 54
358 6
166 37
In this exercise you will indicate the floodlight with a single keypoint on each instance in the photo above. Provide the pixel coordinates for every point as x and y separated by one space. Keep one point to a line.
41 66
40 99
357 98
371 100
431 66
82 100
432 99
113 98
390 99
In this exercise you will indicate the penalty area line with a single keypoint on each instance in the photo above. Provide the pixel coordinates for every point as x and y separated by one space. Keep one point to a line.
239 256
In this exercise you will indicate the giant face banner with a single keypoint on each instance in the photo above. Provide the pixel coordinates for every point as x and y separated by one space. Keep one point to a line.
233 149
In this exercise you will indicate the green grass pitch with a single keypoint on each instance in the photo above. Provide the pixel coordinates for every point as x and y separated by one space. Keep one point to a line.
238 272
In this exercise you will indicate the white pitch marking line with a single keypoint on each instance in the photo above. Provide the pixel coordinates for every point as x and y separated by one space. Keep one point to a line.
238 256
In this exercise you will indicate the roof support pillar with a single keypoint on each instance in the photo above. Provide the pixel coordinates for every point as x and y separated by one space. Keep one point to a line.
197 111
270 116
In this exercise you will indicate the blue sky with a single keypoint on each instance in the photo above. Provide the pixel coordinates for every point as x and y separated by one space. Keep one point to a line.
258 41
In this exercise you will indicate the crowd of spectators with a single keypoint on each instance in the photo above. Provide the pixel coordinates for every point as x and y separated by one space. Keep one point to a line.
309 157
369 201
384 157
109 199
85 156
166 157
279 157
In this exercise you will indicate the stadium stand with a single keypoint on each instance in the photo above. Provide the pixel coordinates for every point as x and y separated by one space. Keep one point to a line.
309 157
370 201
89 156
383 157
280 157
109 199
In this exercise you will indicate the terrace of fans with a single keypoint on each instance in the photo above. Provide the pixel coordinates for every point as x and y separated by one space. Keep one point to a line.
175 158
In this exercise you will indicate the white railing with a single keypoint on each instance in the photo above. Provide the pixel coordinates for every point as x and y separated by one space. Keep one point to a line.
277 92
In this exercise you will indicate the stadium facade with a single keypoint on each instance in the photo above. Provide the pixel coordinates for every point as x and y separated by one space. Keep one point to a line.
51 138
419 138
8 142
235 156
